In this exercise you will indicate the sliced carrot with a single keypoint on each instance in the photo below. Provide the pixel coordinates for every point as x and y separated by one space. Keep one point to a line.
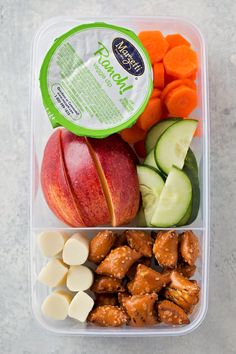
176 39
169 115
189 83
173 84
133 135
159 75
155 44
165 113
151 114
140 148
156 93
168 78
180 62
181 101
193 76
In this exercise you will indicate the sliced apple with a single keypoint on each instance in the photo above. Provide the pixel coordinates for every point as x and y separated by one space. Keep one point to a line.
115 164
55 184
84 179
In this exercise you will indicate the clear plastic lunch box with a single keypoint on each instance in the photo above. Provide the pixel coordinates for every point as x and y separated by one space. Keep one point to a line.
41 217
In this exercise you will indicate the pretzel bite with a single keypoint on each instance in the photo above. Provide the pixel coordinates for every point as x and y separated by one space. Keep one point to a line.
100 246
108 316
118 261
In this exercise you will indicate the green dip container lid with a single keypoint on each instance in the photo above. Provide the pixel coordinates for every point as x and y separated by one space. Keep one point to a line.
96 80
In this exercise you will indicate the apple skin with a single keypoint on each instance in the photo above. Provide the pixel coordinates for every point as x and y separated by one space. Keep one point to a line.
117 161
84 179
55 184
90 182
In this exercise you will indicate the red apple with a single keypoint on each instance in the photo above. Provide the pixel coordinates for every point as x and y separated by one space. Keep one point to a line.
90 182
55 183
115 162
84 179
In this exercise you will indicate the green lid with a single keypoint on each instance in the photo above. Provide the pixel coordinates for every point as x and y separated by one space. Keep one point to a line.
96 80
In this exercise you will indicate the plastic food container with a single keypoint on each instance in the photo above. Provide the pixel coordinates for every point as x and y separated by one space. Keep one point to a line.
41 218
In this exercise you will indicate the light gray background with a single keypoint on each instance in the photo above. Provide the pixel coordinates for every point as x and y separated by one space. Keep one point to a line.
19 333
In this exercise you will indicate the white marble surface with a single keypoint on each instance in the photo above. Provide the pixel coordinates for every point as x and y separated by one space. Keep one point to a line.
19 333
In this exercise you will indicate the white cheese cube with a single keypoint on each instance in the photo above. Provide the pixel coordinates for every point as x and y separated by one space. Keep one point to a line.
80 306
76 249
56 305
52 242
79 278
54 273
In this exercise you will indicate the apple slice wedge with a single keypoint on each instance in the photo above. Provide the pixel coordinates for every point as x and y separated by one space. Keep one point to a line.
55 184
120 184
84 179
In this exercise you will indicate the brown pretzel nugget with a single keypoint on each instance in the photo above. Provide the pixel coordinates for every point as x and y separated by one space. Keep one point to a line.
118 262
147 280
108 316
140 309
132 271
165 248
141 241
100 246
170 313
189 247
183 292
106 299
104 284
186 270
122 297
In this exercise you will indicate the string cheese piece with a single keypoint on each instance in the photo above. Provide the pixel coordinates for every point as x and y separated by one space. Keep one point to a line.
79 278
54 273
56 305
52 242
76 249
80 306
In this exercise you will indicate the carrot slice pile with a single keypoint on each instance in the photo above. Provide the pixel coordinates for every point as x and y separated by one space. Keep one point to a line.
180 62
175 66
156 93
159 75
181 101
155 44
151 114
133 135
176 83
176 39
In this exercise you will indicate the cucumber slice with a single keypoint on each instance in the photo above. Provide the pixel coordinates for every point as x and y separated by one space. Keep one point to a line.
186 217
172 146
150 160
191 169
174 199
151 185
156 131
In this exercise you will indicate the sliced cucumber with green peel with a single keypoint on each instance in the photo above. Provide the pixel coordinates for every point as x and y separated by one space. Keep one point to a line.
156 131
151 185
174 199
186 217
150 160
191 169
172 146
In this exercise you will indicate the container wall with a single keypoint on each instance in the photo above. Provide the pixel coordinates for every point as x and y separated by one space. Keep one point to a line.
43 219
